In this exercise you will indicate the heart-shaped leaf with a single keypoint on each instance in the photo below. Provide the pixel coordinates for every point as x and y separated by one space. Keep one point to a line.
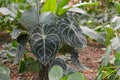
29 18
44 42
71 32
56 73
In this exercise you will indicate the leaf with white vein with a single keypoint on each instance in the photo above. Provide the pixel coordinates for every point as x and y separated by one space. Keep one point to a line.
71 32
44 42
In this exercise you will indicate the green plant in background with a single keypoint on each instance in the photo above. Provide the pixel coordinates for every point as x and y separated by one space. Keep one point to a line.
110 68
106 33
49 31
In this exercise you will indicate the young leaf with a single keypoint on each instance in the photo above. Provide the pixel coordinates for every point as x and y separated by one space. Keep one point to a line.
56 73
50 6
44 42
76 76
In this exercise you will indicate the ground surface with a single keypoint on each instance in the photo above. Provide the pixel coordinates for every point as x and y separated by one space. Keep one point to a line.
90 56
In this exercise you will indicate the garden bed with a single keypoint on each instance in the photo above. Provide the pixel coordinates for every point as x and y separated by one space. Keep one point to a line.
91 56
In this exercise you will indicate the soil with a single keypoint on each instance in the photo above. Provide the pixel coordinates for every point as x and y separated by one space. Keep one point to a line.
91 56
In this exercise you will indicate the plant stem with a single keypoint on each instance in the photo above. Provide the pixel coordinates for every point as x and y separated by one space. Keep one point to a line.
38 8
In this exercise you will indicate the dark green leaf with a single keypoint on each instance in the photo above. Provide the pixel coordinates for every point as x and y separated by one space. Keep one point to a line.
112 77
44 42
58 62
22 40
71 33
22 66
29 18
117 62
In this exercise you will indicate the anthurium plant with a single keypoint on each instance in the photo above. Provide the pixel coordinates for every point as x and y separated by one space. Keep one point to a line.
49 29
